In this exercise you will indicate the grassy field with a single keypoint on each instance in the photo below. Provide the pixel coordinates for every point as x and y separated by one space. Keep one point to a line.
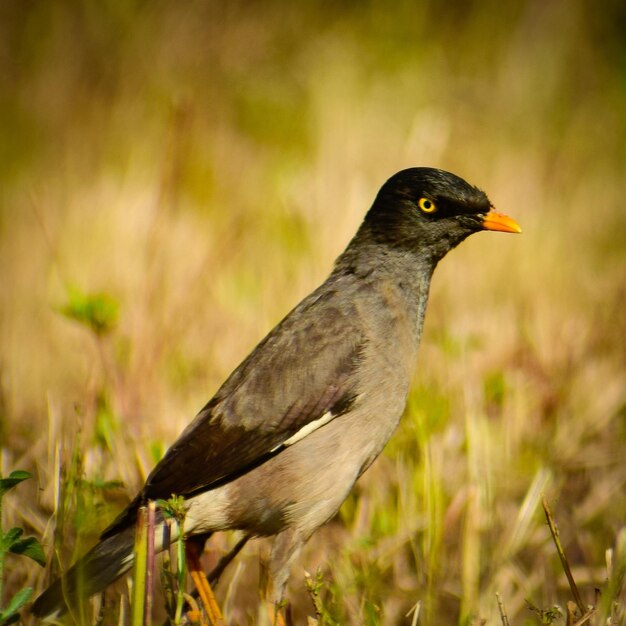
190 171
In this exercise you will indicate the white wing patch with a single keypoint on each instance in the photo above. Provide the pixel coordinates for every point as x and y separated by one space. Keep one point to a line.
305 431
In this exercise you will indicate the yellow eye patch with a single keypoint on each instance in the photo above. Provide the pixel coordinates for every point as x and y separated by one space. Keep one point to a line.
426 205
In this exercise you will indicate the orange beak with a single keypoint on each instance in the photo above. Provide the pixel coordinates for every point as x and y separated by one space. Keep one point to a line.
498 221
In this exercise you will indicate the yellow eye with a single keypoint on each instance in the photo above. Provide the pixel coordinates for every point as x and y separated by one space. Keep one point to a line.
426 205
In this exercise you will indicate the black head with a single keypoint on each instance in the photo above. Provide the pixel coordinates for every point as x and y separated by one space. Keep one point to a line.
430 211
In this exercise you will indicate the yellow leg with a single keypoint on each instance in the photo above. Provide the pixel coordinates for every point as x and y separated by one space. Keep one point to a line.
202 584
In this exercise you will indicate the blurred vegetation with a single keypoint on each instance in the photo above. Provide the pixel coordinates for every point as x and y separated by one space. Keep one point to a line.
174 176
12 542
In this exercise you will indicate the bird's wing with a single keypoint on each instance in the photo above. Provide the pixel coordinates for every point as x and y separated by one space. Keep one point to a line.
297 379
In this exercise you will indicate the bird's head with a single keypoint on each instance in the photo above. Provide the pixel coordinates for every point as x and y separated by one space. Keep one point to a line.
431 211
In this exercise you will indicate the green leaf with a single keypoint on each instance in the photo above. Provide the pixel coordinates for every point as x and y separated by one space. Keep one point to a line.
15 604
14 478
173 508
106 423
99 311
31 548
8 539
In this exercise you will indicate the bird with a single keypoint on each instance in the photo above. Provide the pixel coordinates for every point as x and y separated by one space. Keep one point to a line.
280 445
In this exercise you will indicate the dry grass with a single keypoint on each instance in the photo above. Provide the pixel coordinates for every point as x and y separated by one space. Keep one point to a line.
203 165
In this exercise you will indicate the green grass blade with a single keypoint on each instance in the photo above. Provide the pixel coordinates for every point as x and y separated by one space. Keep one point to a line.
139 576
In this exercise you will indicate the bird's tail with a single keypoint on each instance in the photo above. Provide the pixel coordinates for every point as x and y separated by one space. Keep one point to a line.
95 571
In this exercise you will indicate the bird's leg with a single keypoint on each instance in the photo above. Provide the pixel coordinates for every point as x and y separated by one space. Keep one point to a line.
193 549
285 549
214 575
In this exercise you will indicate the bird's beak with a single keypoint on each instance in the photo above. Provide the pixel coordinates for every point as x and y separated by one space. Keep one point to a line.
498 221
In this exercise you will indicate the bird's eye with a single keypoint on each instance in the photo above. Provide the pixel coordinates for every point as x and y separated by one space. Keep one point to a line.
426 205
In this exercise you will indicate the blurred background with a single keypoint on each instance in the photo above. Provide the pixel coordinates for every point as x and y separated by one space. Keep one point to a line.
175 176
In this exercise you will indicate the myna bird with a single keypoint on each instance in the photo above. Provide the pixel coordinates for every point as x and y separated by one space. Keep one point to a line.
279 447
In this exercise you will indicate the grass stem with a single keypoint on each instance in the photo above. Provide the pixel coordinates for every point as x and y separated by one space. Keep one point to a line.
181 573
554 530
503 616
150 561
141 562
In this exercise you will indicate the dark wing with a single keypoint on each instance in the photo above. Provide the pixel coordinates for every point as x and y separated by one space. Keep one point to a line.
301 371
